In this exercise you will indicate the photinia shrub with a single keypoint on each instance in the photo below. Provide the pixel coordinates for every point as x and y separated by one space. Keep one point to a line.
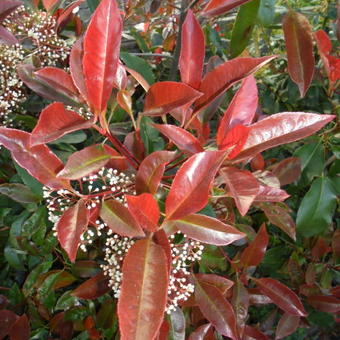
139 218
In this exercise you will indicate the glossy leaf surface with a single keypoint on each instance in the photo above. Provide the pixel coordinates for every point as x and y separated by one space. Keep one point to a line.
242 185
183 139
217 281
288 170
101 53
38 160
145 210
190 189
223 76
192 51
216 309
162 97
240 303
151 171
218 7
19 192
281 128
281 295
299 45
287 325
85 162
327 304
71 226
241 110
200 332
55 121
119 219
207 229
144 289
270 194
254 253
93 288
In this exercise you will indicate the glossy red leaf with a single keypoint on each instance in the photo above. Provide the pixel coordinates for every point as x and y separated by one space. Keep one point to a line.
38 160
288 170
240 303
121 79
216 309
101 53
163 331
50 5
161 238
85 162
71 226
183 139
325 303
66 14
218 7
252 333
191 59
45 87
7 7
141 81
55 121
223 76
76 67
243 187
7 37
145 210
119 219
241 110
254 253
165 96
206 229
151 171
220 282
299 45
281 295
93 288
287 325
200 332
20 329
144 290
256 298
189 192
7 320
270 194
281 128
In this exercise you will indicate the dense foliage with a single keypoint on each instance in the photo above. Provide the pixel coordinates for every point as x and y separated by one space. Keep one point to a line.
152 187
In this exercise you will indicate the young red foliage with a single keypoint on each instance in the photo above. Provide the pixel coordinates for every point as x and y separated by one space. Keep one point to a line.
20 329
218 7
92 288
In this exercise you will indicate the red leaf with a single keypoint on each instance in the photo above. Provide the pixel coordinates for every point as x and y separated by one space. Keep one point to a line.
163 331
281 128
101 53
241 110
183 139
7 7
70 227
151 171
323 42
76 67
38 160
220 282
299 44
287 325
270 194
50 4
216 309
218 7
252 333
223 76
281 295
7 320
66 14
254 253
161 238
240 303
328 304
206 229
243 187
144 289
119 219
7 37
192 51
93 288
190 188
165 96
20 329
145 210
288 170
200 332
54 122
85 162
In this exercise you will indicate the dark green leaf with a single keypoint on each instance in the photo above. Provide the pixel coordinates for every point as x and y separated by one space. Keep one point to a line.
266 13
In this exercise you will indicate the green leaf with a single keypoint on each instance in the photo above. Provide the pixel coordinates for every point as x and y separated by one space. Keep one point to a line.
30 181
138 64
317 208
312 159
92 5
243 27
14 258
18 192
75 137
150 136
266 13
33 276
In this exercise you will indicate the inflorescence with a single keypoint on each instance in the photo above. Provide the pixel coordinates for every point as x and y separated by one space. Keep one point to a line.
109 183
